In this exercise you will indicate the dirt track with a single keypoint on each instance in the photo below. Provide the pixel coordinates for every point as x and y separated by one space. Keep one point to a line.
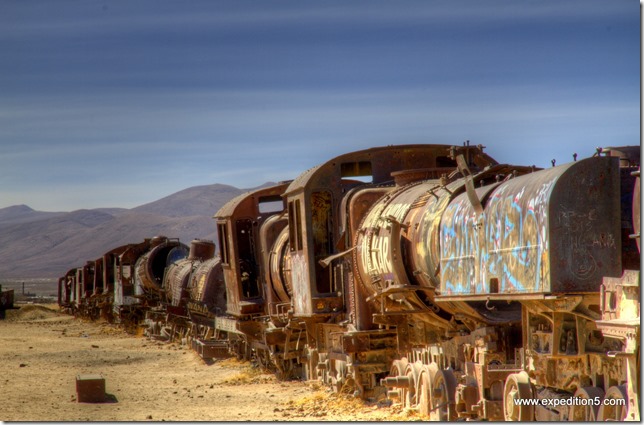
42 351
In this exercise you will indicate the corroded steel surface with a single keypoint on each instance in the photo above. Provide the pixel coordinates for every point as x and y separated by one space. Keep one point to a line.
201 250
150 267
109 260
207 286
279 267
551 231
384 161
124 274
178 274
380 252
175 280
238 224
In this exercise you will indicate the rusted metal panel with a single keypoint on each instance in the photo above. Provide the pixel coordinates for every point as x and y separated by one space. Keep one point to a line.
109 276
552 231
229 208
275 336
398 240
150 267
585 232
360 203
207 288
201 250
175 280
124 273
249 203
279 267
226 324
276 262
301 286
211 349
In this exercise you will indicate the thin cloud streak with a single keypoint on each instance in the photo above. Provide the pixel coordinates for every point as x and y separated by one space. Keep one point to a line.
153 97
100 19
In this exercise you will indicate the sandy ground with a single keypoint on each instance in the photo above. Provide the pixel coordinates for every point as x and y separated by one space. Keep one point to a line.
42 351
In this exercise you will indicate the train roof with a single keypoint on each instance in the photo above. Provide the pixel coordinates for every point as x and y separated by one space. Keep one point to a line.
387 159
229 208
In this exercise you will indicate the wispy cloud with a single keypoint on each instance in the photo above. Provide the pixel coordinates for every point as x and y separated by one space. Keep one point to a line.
151 97
100 17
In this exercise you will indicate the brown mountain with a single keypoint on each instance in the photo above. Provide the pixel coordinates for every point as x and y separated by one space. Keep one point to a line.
36 244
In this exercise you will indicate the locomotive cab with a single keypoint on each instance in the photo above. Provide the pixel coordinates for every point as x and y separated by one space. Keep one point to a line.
238 223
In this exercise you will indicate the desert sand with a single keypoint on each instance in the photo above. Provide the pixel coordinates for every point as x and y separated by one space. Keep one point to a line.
42 351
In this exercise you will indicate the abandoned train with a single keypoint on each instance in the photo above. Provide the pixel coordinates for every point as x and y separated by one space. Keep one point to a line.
466 288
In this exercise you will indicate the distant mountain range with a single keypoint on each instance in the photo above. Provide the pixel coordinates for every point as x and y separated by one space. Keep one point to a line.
38 244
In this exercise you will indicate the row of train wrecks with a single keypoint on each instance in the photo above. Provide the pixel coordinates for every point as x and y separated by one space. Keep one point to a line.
461 287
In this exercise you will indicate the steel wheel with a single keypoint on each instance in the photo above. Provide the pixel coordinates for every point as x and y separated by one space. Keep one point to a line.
589 412
412 372
285 368
443 388
399 368
614 405
423 386
263 359
517 387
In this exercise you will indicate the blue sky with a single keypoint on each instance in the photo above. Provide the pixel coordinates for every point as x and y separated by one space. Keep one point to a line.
119 103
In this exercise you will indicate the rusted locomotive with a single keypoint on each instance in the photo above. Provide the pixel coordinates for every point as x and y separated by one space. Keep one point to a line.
466 288
123 283
493 284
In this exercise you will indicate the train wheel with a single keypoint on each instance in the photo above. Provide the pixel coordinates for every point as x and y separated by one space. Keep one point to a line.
614 405
241 350
413 372
518 387
399 368
443 392
423 386
588 412
264 359
285 368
